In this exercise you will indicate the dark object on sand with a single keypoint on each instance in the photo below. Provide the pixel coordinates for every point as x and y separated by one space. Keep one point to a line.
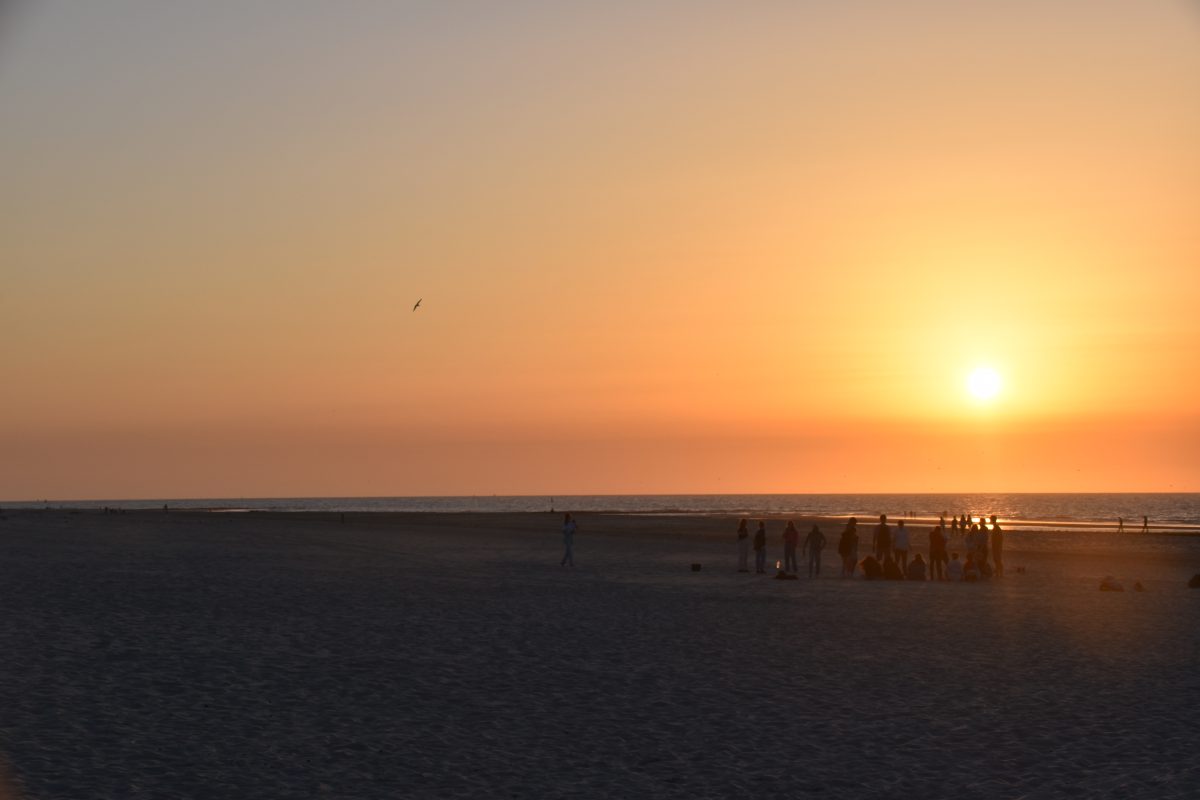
1110 584
1137 587
871 568
695 567
783 576
1194 583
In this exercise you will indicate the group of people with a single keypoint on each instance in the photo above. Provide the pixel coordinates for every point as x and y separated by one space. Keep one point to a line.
888 558
814 543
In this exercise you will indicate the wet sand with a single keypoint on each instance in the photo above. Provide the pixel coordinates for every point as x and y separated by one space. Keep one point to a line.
407 655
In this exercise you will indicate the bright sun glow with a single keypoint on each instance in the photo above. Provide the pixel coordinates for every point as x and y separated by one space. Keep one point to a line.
983 383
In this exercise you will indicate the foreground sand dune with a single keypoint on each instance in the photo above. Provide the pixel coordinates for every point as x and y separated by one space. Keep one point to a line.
219 655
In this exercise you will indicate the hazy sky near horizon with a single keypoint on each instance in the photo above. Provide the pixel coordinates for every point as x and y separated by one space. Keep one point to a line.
662 247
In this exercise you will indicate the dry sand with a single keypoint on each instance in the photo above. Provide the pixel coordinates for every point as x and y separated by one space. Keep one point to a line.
411 656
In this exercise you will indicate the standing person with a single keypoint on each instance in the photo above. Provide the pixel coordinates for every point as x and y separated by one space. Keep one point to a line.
1120 524
997 547
900 545
568 541
848 548
814 543
981 558
1145 524
953 528
881 540
954 570
937 553
791 537
760 548
743 541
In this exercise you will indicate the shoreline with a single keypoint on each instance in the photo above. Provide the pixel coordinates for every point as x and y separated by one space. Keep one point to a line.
865 522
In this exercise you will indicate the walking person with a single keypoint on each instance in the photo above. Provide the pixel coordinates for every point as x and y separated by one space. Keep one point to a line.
900 545
743 542
1145 524
568 541
997 547
760 548
1120 524
814 543
881 540
937 553
848 548
791 537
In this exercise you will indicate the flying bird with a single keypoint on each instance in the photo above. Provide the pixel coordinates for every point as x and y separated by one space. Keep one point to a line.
418 304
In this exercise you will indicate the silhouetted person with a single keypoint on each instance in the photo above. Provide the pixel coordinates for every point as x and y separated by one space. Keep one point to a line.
1120 524
1145 524
997 547
814 543
891 570
937 553
760 548
881 541
791 537
954 528
848 548
872 570
971 569
954 570
568 541
743 542
916 570
900 545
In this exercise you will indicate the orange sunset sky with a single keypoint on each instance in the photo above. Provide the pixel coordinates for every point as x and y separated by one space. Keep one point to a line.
661 247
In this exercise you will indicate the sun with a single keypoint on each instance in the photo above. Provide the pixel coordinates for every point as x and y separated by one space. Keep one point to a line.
984 383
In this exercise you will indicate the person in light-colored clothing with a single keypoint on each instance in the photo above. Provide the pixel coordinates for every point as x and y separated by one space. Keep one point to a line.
568 558
900 545
743 541
954 570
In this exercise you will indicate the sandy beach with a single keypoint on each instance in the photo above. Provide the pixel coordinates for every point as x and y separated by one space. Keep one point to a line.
257 655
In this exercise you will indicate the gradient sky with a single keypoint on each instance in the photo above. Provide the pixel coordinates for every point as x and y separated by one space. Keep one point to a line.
663 247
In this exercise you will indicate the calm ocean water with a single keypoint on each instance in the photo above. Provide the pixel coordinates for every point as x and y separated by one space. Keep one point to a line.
1054 510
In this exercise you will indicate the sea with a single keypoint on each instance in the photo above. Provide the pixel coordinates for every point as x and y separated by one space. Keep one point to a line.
1100 511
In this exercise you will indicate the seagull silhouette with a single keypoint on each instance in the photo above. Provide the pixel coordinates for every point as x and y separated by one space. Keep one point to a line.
418 305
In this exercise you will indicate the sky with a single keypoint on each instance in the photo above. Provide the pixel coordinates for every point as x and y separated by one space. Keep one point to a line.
660 247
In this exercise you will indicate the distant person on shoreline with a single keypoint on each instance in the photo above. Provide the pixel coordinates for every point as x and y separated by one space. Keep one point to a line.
848 548
1120 524
568 541
743 543
953 528
937 553
900 545
814 543
791 537
760 548
954 570
1145 524
997 547
881 541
